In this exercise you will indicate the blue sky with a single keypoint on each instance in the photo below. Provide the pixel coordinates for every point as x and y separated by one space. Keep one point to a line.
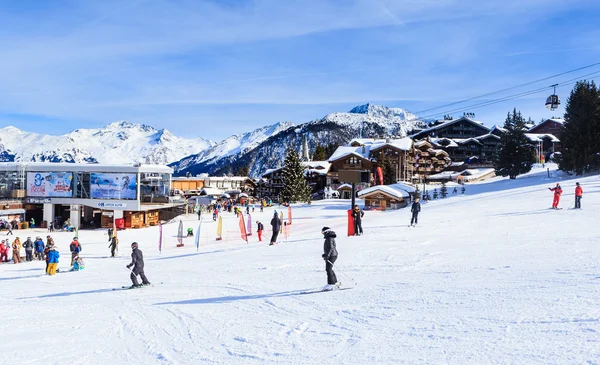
221 67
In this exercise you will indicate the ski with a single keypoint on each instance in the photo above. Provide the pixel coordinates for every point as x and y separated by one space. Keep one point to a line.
324 290
129 287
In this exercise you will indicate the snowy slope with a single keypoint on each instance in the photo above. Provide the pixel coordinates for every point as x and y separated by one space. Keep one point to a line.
490 277
367 120
119 142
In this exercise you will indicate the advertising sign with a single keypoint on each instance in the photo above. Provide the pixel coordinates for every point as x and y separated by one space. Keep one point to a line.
109 205
113 186
50 184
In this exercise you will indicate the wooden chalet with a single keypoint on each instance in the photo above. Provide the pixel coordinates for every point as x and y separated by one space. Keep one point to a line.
463 127
549 126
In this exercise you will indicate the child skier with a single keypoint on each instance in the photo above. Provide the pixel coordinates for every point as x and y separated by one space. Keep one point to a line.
415 209
557 192
3 251
330 254
137 261
259 230
75 248
190 232
53 257
78 264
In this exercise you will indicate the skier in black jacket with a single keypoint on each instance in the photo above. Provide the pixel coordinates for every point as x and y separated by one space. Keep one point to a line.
357 214
415 209
28 246
137 261
330 254
276 224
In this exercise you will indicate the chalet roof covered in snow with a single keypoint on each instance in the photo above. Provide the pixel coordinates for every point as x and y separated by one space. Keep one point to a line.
404 144
344 186
347 151
448 123
439 142
397 191
539 137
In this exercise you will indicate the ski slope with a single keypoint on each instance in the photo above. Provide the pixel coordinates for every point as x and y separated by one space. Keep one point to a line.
489 277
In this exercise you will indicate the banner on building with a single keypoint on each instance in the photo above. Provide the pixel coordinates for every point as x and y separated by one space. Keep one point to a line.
50 184
113 186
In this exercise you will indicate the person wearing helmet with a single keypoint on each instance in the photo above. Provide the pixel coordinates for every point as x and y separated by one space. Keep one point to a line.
75 248
137 261
557 192
276 224
330 254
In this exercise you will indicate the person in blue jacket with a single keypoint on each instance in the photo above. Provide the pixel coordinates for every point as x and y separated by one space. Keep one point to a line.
53 257
39 248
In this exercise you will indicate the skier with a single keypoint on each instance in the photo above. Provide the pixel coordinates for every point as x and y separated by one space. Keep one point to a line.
10 227
276 224
137 261
330 254
49 245
415 209
52 260
247 209
110 234
557 192
75 248
259 230
32 223
215 214
199 213
51 227
78 264
16 247
357 214
578 195
39 248
3 251
114 246
28 246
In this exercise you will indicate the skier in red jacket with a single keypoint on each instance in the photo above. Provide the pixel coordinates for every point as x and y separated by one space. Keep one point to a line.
557 191
578 195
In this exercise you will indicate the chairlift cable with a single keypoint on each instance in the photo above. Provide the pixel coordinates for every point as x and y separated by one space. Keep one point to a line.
510 88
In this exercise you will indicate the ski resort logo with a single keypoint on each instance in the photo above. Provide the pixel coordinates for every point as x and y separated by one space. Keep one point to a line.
111 205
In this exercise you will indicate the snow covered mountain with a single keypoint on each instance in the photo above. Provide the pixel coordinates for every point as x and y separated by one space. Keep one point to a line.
367 120
119 142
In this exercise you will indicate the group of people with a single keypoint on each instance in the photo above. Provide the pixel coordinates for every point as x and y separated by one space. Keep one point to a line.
557 190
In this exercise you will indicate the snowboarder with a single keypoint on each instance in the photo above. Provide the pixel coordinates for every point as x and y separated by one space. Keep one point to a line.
39 248
16 247
557 192
28 246
75 248
114 246
415 209
52 260
357 214
3 251
578 195
259 230
276 224
330 254
137 261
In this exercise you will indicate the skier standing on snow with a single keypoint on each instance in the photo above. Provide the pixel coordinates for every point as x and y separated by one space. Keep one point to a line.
259 230
578 195
415 209
28 246
16 247
557 192
137 261
330 254
276 224
357 214
39 248
3 251
75 248
10 227
114 244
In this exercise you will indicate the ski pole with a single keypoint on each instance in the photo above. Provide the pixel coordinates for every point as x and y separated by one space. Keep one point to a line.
344 275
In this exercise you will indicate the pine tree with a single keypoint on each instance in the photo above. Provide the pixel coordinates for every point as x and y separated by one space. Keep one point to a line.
580 145
295 188
517 155
444 190
243 171
426 195
462 189
320 153
455 190
330 149
389 174
435 194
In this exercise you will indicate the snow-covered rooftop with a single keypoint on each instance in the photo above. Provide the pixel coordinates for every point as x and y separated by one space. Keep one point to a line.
539 137
345 151
397 191
438 142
